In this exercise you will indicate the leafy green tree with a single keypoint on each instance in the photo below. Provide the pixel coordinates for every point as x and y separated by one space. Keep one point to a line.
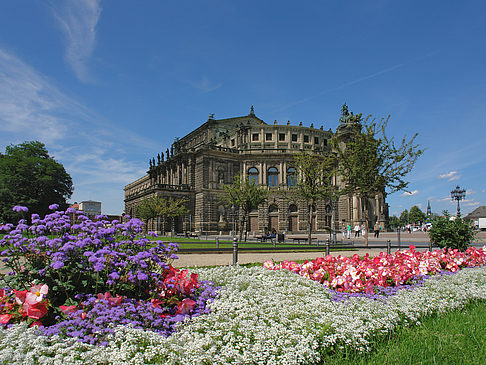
246 195
404 218
452 233
148 209
32 178
314 182
416 215
394 221
370 162
159 207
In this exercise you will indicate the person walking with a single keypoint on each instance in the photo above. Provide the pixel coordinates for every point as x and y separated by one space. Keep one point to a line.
348 231
377 230
356 231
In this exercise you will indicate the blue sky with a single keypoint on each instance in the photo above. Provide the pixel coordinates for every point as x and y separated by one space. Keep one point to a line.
106 85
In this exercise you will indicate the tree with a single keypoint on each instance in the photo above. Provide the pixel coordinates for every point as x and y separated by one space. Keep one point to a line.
416 215
148 209
246 195
314 182
394 222
369 162
32 178
160 207
404 218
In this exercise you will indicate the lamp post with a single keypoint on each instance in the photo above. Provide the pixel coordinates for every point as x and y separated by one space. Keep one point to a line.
233 222
458 194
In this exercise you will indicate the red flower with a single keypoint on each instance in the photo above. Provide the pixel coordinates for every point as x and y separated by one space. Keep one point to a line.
67 308
4 318
185 306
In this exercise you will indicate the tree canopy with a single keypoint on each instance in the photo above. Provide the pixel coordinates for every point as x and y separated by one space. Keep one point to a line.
246 195
158 206
370 162
32 178
314 182
415 215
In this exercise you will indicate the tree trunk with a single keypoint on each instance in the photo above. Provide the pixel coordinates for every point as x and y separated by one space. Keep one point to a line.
242 226
309 228
365 211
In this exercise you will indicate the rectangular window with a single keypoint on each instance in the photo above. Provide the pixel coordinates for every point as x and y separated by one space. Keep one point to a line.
306 139
294 138
255 137
268 136
325 142
272 180
232 142
316 140
281 136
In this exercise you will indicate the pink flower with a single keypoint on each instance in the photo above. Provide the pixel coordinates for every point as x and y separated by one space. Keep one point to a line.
67 308
36 311
4 318
36 294
20 296
185 306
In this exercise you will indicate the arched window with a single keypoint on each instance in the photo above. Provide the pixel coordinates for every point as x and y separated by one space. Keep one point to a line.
272 209
253 175
293 208
272 176
291 176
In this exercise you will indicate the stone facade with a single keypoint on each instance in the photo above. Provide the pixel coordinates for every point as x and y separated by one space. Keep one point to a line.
198 165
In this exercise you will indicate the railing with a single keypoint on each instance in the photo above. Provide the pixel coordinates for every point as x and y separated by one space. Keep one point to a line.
155 187
320 245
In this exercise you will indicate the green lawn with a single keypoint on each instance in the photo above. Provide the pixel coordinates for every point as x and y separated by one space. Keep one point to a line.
458 337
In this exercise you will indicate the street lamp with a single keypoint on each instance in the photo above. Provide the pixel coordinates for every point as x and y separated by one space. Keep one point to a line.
458 194
233 221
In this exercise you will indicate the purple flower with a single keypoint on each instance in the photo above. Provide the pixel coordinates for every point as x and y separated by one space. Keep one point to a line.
19 208
53 206
57 264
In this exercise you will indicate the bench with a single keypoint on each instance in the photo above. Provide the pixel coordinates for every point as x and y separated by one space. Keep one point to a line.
299 239
264 238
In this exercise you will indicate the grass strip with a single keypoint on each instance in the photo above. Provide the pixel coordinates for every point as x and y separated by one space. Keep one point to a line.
457 337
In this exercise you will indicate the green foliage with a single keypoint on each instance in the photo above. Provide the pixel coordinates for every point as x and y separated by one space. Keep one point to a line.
416 215
314 181
31 178
246 195
370 162
404 218
452 233
157 206
394 221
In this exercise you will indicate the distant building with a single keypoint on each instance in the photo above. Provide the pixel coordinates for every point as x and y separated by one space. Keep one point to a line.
90 208
198 165
479 212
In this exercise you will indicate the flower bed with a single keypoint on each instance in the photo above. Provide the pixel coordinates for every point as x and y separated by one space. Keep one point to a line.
259 316
373 274
80 278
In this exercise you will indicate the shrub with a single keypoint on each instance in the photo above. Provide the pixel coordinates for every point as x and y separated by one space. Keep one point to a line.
452 233
97 274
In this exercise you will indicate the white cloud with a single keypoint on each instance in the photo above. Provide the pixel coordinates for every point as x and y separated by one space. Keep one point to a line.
450 176
100 157
411 193
470 203
205 85
28 102
78 20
